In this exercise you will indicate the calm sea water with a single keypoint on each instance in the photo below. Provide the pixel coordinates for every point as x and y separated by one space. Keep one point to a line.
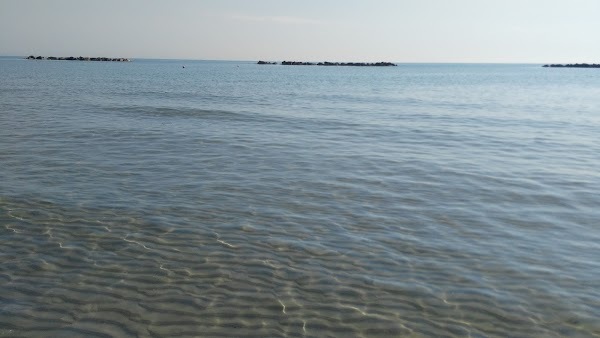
232 199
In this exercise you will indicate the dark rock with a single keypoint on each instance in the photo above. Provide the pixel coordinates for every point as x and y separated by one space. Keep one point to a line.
348 64
297 63
573 65
81 58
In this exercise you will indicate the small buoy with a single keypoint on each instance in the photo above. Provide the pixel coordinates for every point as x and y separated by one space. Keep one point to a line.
182 66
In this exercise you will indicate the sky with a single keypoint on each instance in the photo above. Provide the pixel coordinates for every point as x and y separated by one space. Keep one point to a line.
499 31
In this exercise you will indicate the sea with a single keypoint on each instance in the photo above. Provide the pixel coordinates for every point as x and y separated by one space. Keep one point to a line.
178 198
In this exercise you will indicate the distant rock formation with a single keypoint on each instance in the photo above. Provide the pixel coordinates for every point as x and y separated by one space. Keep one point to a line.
81 58
574 65
353 64
297 63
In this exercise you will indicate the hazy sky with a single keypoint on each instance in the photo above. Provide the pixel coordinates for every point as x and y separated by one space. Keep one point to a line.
336 30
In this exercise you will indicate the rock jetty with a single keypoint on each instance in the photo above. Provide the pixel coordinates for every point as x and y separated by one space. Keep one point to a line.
352 64
574 65
81 58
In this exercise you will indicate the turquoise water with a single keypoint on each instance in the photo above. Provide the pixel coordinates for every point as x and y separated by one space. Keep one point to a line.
232 199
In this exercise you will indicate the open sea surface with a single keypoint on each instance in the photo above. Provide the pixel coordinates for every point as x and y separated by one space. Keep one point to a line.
229 199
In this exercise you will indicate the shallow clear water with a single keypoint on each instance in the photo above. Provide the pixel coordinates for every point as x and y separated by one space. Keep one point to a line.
232 199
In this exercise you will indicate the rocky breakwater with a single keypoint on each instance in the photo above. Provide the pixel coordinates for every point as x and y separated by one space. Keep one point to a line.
81 58
352 64
574 65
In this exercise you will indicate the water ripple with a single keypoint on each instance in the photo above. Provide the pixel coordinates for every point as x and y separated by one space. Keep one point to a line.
245 202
